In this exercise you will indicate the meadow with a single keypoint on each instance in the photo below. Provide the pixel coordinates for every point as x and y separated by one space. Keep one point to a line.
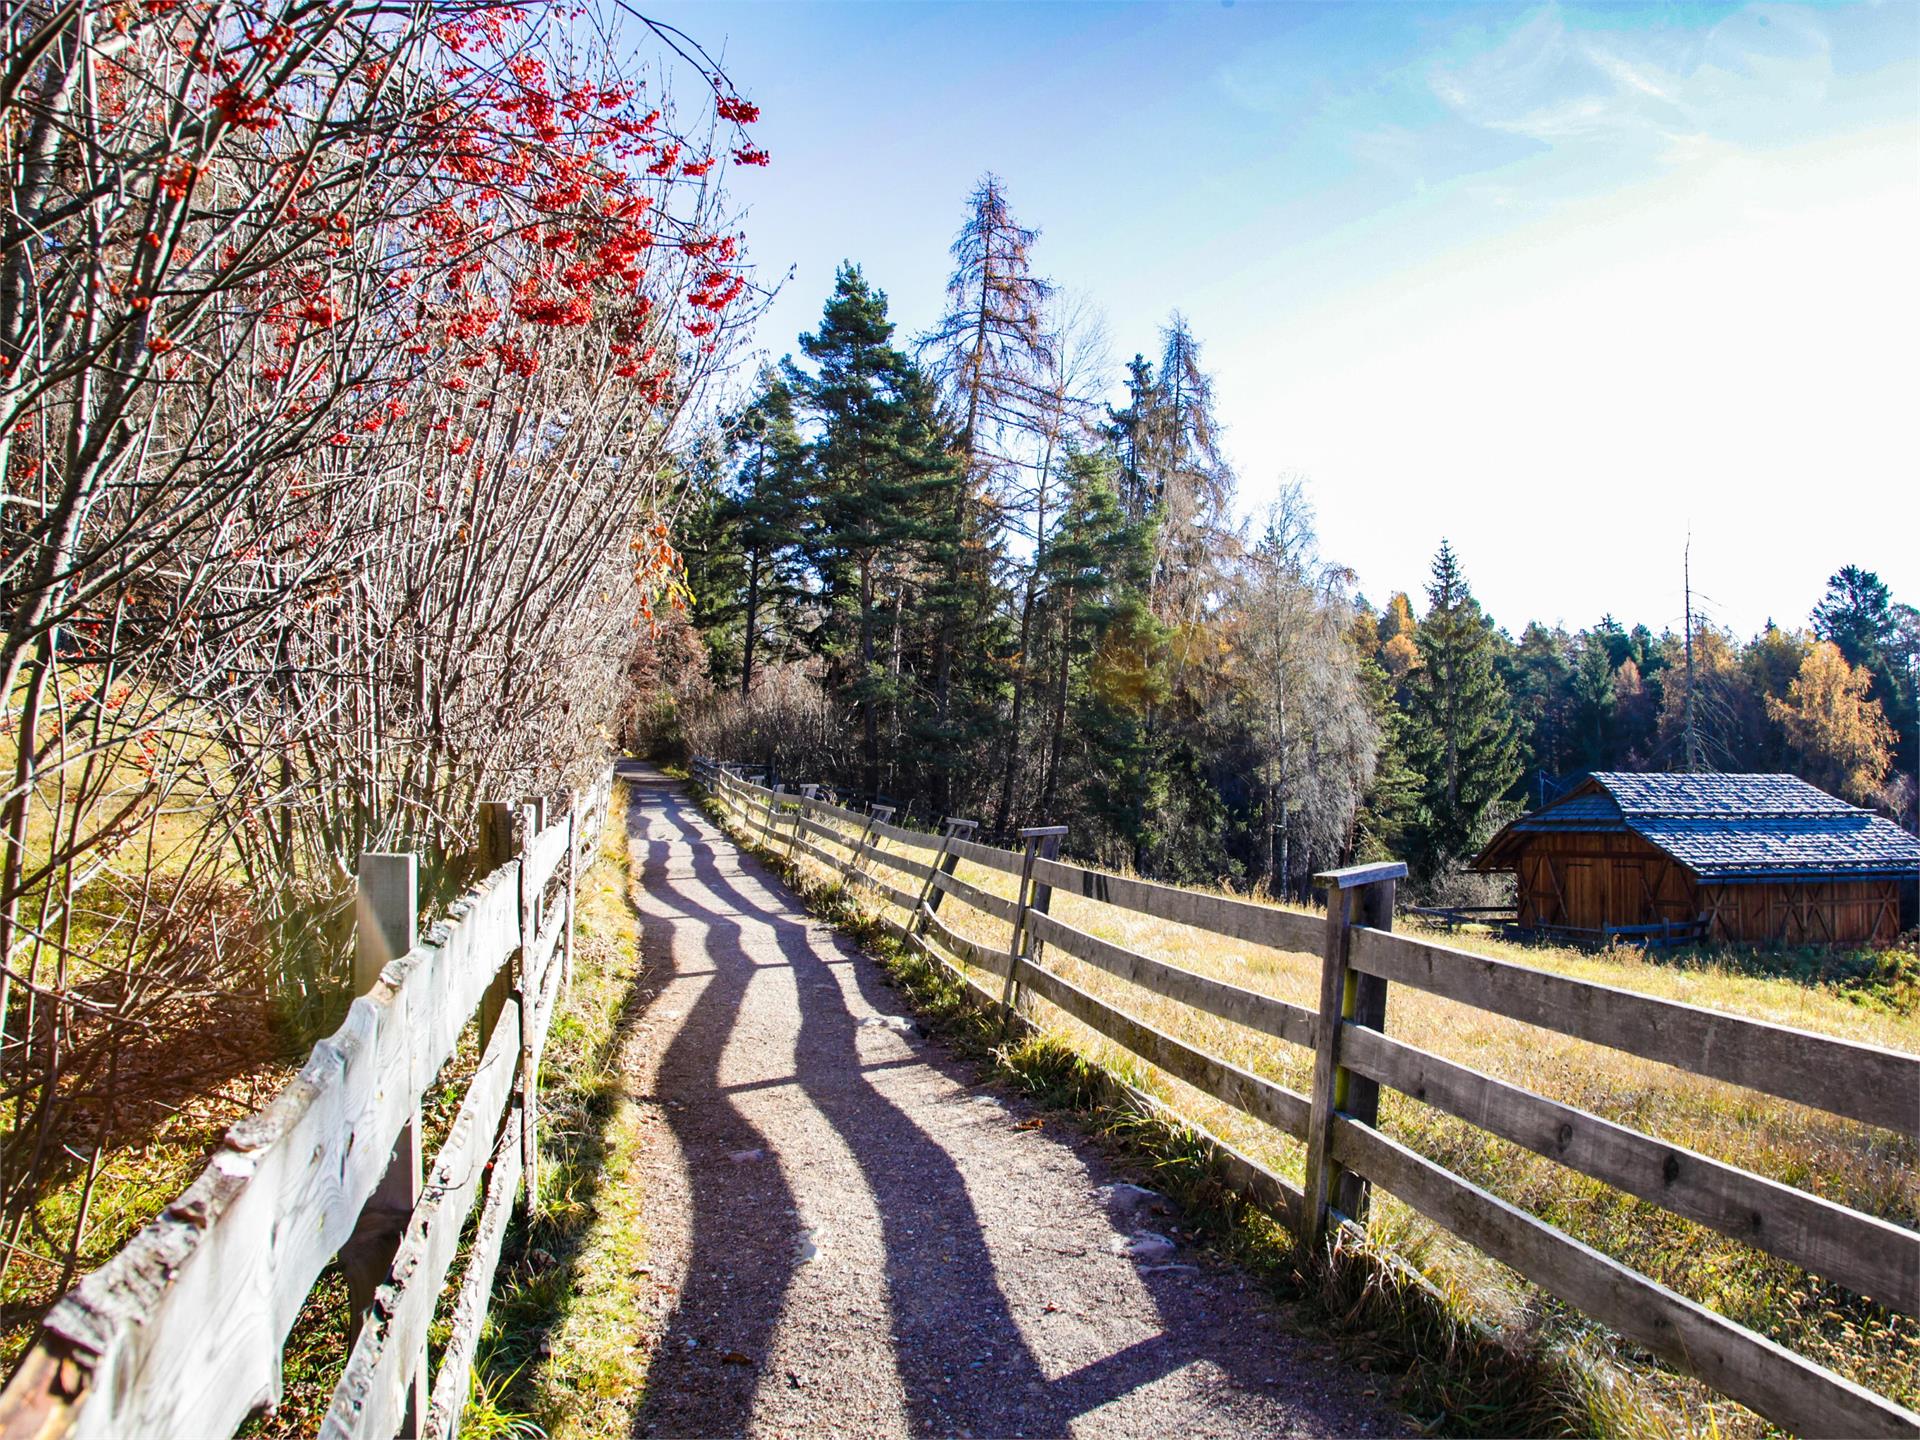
1863 996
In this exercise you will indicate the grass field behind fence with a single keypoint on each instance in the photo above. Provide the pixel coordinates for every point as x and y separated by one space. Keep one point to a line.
1871 997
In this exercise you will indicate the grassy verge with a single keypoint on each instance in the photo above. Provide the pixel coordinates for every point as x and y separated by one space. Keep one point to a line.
557 1354
562 1351
1489 1353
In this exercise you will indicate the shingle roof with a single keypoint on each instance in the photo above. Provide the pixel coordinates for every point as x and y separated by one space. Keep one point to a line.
1590 810
1746 796
1731 827
1780 847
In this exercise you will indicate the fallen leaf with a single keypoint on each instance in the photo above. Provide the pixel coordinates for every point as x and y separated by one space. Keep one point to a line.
736 1357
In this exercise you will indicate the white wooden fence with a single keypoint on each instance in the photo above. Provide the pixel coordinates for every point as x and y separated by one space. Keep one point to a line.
1347 1153
180 1334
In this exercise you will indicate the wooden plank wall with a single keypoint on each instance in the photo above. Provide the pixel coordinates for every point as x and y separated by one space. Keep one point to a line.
1869 1084
1595 881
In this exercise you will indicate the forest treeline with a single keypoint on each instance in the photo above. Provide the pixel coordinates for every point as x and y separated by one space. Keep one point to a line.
949 571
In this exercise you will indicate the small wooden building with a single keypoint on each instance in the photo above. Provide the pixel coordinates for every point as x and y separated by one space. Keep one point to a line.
1765 859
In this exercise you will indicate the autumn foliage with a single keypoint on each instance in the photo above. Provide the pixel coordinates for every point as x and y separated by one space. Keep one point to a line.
344 354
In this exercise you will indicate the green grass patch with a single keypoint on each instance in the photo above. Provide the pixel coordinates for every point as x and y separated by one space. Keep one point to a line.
562 1351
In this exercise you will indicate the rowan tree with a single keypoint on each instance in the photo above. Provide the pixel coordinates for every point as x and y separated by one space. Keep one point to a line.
345 351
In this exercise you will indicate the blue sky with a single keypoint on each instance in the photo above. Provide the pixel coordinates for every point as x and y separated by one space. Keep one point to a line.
1556 281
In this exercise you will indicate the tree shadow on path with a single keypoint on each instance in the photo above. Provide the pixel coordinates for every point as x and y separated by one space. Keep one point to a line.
737 944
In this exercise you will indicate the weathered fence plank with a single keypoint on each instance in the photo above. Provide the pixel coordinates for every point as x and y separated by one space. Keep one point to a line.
1257 924
1866 1254
1844 1077
1265 1013
1280 1107
388 1360
1785 1387
985 901
451 1380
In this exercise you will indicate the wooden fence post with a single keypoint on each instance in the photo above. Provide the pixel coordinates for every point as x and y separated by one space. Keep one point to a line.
496 849
387 922
527 997
946 862
1358 895
1038 842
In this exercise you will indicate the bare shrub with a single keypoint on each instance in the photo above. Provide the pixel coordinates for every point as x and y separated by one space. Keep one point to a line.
788 726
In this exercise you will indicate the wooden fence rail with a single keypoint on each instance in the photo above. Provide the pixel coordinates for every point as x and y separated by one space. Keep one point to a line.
1347 1154
181 1332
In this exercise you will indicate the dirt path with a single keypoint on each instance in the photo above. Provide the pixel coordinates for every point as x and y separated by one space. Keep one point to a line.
848 1238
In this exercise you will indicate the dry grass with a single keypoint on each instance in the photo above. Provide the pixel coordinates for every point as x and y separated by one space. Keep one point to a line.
1852 1164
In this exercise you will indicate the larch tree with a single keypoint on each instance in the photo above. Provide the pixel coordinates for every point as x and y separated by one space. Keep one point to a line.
1838 731
990 352
1060 423
1859 614
1312 731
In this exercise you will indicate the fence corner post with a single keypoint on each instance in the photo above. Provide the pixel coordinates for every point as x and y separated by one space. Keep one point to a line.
1360 895
387 925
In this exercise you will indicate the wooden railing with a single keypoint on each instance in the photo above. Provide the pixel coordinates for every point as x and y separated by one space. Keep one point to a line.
181 1333
1346 1153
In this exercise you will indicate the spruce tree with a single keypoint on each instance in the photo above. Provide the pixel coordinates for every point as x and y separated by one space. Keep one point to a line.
1107 663
1132 432
1461 736
1392 804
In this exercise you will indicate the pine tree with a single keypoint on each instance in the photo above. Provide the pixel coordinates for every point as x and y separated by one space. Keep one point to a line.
764 508
708 539
884 476
1462 738
1541 678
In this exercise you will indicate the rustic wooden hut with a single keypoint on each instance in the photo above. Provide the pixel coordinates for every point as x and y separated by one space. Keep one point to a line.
1758 858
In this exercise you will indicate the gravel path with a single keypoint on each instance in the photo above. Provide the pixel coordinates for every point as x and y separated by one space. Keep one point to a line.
847 1237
